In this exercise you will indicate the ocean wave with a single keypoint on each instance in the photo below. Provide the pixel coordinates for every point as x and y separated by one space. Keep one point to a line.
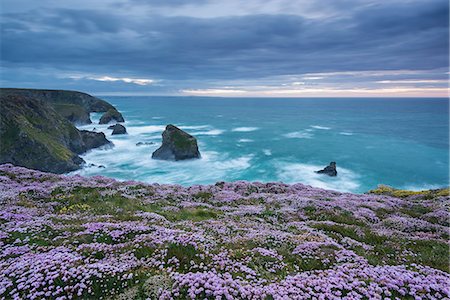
267 152
244 129
137 130
245 140
320 127
345 181
299 135
210 132
346 133
195 127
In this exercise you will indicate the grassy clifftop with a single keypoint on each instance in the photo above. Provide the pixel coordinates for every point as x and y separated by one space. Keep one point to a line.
91 238
34 135
73 105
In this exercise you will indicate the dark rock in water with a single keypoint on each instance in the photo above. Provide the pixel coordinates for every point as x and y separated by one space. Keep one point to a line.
176 145
93 139
144 143
101 167
119 129
329 170
111 126
72 105
34 135
110 115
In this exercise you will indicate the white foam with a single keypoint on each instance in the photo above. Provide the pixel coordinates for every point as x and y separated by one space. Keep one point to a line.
346 133
320 127
198 127
245 141
345 181
244 129
299 135
157 118
136 130
210 132
267 152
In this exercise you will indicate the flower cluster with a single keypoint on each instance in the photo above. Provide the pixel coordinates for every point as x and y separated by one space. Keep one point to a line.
72 237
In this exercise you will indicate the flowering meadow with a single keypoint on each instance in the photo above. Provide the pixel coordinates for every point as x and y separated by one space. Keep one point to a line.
73 237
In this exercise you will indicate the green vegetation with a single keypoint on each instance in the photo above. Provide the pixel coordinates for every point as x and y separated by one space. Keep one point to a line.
427 194
194 214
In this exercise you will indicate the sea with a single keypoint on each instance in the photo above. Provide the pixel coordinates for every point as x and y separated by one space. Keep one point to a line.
400 142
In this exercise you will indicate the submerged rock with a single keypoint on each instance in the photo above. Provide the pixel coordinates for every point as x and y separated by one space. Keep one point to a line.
119 129
176 145
329 170
144 143
110 115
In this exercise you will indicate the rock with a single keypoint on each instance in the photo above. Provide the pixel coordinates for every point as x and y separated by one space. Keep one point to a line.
35 136
176 145
144 143
111 126
110 115
72 105
329 170
93 140
119 129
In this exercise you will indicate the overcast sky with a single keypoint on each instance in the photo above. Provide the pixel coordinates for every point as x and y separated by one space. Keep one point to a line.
274 48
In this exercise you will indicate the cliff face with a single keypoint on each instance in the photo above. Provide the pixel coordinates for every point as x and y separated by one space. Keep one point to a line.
72 105
34 135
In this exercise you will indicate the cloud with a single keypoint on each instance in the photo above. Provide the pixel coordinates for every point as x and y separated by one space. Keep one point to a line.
196 46
124 79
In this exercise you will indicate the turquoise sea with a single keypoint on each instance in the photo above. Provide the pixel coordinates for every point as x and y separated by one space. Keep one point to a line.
399 142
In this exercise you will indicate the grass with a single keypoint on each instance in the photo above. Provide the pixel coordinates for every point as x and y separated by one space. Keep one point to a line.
426 194
427 252
194 214
338 215
184 253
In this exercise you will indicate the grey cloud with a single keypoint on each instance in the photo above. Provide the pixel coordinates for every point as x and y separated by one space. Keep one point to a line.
388 35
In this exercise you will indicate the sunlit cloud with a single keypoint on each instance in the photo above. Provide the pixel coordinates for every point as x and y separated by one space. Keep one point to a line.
410 81
212 92
138 81
325 92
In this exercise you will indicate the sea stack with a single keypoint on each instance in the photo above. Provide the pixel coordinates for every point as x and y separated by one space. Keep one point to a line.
110 115
176 145
118 129
329 170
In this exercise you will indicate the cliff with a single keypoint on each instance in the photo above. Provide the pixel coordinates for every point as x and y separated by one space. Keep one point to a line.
34 135
74 106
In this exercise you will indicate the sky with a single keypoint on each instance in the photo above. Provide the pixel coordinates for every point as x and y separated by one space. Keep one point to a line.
232 48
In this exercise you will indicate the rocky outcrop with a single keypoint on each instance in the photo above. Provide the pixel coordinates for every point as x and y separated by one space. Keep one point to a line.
93 139
176 145
74 106
119 129
111 115
329 170
34 135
